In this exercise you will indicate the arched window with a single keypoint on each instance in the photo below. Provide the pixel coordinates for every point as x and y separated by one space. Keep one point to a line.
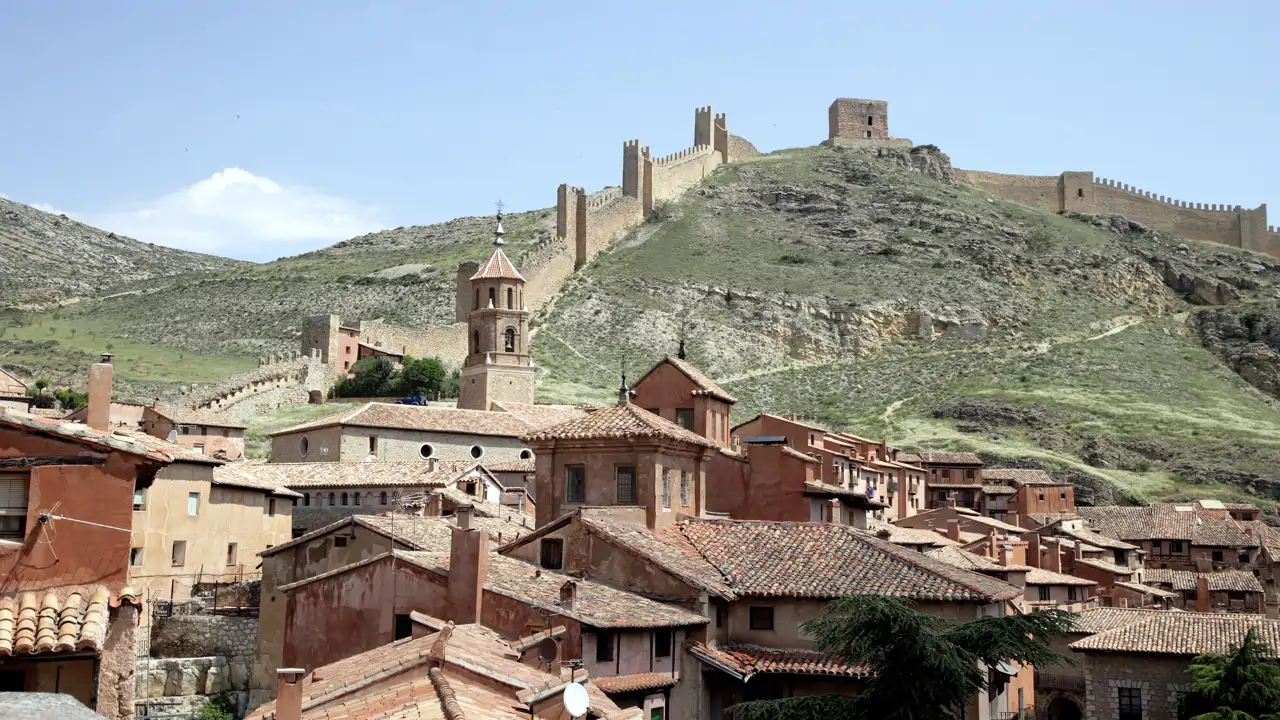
306 498
344 498
332 498
477 303
510 344
357 498
493 297
384 497
475 347
511 299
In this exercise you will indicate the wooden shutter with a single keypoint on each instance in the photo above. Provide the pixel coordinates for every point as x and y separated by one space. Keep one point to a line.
13 491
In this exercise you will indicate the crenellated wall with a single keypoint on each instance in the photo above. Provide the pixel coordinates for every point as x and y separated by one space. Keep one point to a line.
1082 192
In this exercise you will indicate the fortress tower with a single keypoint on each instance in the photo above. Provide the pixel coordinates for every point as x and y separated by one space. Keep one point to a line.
499 362
853 118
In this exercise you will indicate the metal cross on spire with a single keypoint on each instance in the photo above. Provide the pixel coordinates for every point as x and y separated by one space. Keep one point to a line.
498 231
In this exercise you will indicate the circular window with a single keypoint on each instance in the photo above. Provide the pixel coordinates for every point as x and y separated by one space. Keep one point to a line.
304 445
526 454
477 452
426 450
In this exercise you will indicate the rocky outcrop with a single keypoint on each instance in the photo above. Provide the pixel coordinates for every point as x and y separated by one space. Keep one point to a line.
1248 340
1196 288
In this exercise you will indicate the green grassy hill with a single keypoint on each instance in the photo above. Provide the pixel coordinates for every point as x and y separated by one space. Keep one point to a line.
803 280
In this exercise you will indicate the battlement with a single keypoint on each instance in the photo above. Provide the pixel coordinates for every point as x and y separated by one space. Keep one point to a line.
1215 207
683 155
607 196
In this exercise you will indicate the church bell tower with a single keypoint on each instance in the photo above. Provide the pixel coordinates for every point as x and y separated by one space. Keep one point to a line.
499 364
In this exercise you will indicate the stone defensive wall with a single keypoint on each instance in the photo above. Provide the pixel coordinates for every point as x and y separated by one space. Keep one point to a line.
1222 223
449 343
281 370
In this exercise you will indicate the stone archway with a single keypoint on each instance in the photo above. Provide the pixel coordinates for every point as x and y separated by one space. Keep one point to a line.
1064 707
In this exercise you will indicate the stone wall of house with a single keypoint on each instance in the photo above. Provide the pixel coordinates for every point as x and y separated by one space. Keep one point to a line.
186 636
194 659
1160 678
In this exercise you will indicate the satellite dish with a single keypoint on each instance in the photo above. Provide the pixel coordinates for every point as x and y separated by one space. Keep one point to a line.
548 650
575 699
173 436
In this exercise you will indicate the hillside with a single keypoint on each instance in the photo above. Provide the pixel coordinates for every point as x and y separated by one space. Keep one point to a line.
49 258
872 292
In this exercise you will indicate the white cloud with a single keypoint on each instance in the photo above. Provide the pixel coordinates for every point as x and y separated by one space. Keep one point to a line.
239 214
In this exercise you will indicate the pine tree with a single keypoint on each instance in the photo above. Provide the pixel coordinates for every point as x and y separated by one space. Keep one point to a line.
922 667
1240 684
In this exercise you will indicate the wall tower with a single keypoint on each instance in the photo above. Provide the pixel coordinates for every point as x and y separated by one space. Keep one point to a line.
499 363
858 119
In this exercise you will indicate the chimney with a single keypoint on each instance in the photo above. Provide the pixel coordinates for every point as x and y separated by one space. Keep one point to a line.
1012 519
1203 598
155 403
1033 550
432 507
953 529
568 594
1068 561
100 394
289 693
992 544
468 568
1053 559
432 464
1003 558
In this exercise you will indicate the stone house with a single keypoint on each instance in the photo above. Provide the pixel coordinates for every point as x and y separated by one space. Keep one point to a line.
123 414
1180 536
202 520
441 670
382 431
1133 663
202 431
13 392
621 455
1237 591
1018 492
65 506
1040 588
967 520
757 582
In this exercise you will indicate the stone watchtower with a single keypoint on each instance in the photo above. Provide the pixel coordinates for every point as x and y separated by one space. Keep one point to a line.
857 119
499 364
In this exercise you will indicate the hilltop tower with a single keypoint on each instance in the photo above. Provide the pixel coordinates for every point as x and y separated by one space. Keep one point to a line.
499 363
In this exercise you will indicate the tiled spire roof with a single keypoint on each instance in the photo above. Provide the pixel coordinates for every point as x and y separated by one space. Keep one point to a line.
498 267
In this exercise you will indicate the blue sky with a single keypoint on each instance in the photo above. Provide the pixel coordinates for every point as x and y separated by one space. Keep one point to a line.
261 129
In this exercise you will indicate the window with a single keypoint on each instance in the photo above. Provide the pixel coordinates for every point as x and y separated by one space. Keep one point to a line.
761 617
1042 496
509 341
575 484
135 557
426 451
1130 703
178 557
1244 557
1062 495
306 498
719 616
1247 517
1217 556
552 554
1080 192
1176 546
355 498
373 445
333 499
304 445
477 302
662 643
625 481
871 120
475 341
344 498
868 134
684 418
604 646
139 498
382 499
1072 596
493 297
339 541
477 452
1120 558
684 488
197 448
526 454
510 299
666 487
1044 593
271 507
968 474
231 553
404 627
193 504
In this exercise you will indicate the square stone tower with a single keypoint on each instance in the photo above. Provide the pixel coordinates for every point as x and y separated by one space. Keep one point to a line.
854 118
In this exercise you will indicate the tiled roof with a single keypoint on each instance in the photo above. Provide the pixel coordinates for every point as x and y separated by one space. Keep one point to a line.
1181 633
78 433
966 560
668 549
44 706
908 536
498 267
745 661
192 416
1222 580
968 516
825 560
851 496
998 490
635 683
909 458
1168 521
704 383
939 457
247 476
1102 619
512 466
1048 518
421 418
1105 566
1146 589
77 622
1021 476
622 422
412 473
481 508
538 416
1097 539
1038 576
179 453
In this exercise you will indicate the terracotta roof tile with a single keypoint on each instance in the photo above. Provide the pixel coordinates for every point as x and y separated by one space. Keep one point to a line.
1146 589
1021 476
704 384
1102 619
825 560
909 536
748 660
621 422
412 473
1167 521
1105 566
56 622
498 267
417 417
1180 633
1097 539
941 457
78 433
966 560
179 453
193 416
635 683
1038 576
668 549
246 476
538 416
1222 580
526 466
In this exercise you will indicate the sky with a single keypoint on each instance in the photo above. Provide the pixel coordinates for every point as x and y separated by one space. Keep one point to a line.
265 128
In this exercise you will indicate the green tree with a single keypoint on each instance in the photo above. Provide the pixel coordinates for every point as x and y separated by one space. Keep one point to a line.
1240 684
370 376
41 385
922 667
71 399
422 376
452 385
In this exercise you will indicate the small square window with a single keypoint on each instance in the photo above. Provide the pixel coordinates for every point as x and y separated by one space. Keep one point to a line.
1217 556
1244 557
761 617
552 553
684 418
340 541
969 474
604 646
135 557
